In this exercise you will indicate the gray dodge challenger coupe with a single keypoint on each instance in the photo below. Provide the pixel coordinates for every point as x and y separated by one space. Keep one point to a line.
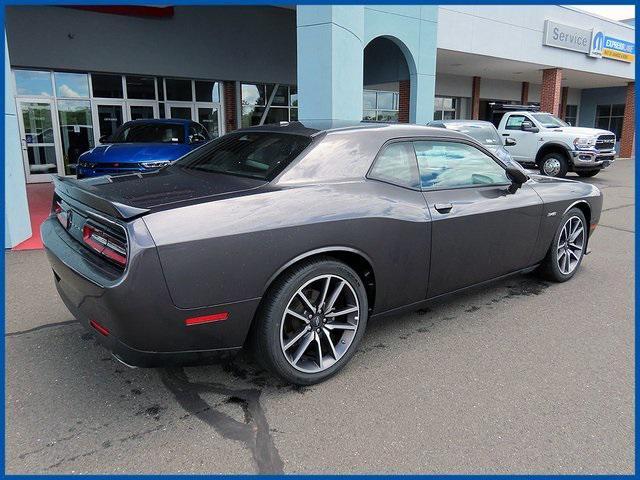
289 237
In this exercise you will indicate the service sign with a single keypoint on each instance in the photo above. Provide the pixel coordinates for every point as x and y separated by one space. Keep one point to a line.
617 49
594 43
567 37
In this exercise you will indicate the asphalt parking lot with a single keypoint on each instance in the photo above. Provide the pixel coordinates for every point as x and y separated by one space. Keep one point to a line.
522 376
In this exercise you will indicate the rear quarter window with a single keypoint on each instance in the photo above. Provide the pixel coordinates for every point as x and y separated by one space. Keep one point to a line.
396 164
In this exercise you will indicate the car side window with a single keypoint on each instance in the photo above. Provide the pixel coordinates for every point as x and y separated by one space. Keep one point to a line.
445 165
396 164
514 122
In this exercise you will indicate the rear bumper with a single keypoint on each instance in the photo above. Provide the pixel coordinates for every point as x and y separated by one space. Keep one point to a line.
138 321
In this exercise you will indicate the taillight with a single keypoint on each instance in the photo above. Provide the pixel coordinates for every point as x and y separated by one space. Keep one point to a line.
105 244
63 218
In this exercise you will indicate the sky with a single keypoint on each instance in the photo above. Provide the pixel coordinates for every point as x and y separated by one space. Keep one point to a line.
614 12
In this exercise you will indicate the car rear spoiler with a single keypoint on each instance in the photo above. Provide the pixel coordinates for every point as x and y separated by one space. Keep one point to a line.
71 188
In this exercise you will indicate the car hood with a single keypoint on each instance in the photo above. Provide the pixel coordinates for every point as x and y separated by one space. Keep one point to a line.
135 152
580 131
169 187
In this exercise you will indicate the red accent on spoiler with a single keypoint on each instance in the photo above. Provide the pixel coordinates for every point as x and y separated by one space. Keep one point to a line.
216 317
103 330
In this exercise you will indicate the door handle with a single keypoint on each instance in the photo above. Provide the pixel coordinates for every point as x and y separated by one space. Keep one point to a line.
505 134
443 207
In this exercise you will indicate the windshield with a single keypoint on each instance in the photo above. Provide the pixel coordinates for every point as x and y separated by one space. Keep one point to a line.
259 155
549 121
150 133
485 134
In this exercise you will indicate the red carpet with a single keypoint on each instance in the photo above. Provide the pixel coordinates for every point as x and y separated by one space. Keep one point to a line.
39 196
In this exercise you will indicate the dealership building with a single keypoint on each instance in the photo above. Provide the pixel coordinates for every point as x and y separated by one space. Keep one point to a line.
75 74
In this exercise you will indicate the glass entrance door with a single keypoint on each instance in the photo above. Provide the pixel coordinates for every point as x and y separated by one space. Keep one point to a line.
142 111
109 117
38 138
209 119
184 112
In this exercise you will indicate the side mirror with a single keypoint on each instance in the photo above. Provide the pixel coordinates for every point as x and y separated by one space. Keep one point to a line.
527 126
517 177
103 139
510 142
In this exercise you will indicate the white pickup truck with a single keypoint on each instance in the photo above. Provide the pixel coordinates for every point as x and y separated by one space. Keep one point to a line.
546 142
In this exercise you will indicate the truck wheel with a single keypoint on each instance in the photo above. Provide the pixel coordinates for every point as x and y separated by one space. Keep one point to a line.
311 321
588 173
554 165
567 248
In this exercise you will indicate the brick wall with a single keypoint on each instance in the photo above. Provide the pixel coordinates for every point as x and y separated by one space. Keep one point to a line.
230 106
563 102
551 90
628 123
403 100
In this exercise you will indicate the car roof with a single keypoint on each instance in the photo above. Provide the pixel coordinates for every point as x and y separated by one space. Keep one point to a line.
388 130
460 122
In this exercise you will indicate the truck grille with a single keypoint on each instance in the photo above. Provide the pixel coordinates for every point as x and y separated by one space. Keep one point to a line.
606 142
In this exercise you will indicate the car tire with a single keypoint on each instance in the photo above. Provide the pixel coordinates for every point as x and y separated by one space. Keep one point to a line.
588 173
560 263
554 165
275 328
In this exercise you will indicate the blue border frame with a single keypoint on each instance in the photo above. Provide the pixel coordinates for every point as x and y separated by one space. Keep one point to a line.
4 3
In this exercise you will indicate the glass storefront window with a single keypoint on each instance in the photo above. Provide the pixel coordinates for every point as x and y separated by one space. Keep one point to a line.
253 94
71 85
609 117
106 86
281 98
449 108
140 112
178 89
76 131
141 88
256 98
380 106
369 115
386 100
77 100
571 114
33 83
251 116
183 113
276 115
207 91
387 116
369 100
208 118
109 119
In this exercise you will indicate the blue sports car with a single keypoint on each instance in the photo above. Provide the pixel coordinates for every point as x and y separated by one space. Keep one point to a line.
142 146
